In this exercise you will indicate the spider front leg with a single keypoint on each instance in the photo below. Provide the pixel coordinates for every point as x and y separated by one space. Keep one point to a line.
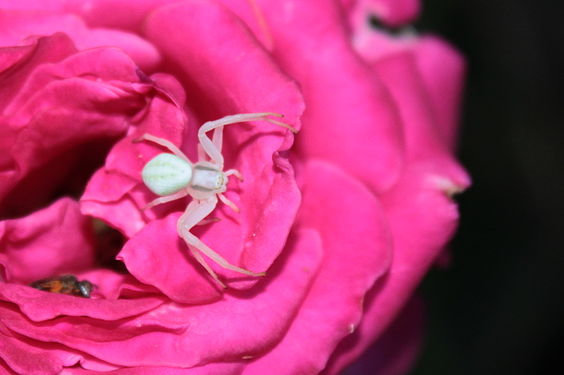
213 147
235 173
197 211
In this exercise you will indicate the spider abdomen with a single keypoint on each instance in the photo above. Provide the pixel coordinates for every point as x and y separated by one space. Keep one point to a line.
166 174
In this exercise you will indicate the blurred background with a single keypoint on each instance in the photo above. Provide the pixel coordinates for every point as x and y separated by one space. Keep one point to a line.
499 308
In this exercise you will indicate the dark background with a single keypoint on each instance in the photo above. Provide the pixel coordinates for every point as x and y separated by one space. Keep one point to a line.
499 308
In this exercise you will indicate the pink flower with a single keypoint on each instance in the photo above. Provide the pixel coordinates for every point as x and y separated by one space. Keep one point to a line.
345 219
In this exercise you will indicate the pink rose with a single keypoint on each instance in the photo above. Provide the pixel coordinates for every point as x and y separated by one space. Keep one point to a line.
345 219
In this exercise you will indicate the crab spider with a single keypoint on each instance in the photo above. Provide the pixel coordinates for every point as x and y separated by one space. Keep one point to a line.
173 176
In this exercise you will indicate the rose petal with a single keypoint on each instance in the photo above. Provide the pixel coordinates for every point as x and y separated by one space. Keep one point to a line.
66 95
268 200
33 245
31 360
251 82
421 214
210 369
122 14
5 370
23 60
112 285
106 197
422 220
442 69
46 5
423 139
193 335
354 257
345 102
157 256
440 66
105 187
40 306
109 71
92 364
16 26
23 354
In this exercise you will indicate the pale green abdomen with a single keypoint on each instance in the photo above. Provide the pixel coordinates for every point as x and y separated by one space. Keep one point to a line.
166 174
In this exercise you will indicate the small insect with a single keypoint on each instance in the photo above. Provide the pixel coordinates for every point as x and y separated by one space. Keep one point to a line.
173 176
66 284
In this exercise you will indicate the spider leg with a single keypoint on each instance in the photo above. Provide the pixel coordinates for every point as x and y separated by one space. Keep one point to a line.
228 203
213 149
164 143
167 198
235 173
206 266
217 139
202 156
196 211
209 221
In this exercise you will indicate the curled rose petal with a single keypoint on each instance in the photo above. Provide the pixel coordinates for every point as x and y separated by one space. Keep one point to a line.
422 219
345 101
24 358
157 256
427 220
442 70
251 82
422 215
39 305
193 335
15 24
114 285
120 14
423 138
24 59
354 257
39 152
31 248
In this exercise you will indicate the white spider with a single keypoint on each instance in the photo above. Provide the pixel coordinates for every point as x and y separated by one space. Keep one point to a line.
173 176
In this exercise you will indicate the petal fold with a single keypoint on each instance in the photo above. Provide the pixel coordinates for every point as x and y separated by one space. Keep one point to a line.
345 101
355 256
15 27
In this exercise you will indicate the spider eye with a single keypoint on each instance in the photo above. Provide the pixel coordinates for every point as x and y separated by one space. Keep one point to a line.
166 174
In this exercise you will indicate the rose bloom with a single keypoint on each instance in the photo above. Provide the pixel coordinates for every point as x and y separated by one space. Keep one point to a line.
345 217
